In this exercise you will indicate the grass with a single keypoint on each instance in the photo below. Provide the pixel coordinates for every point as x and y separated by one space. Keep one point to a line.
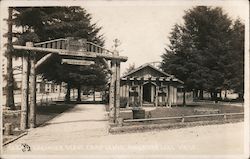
184 111
44 114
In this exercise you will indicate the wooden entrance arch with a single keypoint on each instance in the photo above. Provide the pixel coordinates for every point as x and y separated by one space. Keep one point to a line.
76 50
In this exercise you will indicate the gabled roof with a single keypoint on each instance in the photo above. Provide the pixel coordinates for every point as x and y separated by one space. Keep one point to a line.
154 68
146 65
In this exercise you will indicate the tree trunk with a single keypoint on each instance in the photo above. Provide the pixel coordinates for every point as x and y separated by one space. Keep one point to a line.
215 96
212 95
94 95
201 97
67 97
220 94
184 97
10 80
79 93
225 97
195 95
241 96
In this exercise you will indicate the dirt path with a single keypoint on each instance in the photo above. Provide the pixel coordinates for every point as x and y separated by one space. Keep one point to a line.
83 130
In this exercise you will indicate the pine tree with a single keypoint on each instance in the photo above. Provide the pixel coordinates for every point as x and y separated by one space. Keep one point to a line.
199 49
47 23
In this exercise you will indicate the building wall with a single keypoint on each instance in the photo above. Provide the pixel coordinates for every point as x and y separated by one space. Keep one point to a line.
124 92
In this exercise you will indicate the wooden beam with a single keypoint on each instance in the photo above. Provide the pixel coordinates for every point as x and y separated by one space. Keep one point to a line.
112 92
24 94
32 112
106 64
133 97
141 95
169 95
77 62
73 53
156 96
117 95
42 60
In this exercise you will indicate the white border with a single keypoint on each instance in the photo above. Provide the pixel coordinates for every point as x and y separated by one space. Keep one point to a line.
6 3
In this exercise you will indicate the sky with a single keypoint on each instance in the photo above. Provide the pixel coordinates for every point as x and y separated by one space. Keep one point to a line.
143 27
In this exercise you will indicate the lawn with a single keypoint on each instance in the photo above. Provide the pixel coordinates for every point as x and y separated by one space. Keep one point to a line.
183 111
44 114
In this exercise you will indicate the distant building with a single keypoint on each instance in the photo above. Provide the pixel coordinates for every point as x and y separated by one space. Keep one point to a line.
43 86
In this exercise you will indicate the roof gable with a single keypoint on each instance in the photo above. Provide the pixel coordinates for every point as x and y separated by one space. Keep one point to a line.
147 70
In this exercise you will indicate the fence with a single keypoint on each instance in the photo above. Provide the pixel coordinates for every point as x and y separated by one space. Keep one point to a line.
187 118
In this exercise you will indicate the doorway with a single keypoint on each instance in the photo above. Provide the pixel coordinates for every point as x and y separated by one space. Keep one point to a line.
148 93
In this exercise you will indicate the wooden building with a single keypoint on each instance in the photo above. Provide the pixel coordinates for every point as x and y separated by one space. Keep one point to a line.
148 85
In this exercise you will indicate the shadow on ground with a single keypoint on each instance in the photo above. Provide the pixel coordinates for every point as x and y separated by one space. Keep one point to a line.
75 121
46 113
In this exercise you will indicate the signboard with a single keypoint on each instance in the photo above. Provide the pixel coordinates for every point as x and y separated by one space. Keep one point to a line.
77 62
75 44
77 53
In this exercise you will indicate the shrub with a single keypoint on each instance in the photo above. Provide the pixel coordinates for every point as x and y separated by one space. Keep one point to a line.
123 102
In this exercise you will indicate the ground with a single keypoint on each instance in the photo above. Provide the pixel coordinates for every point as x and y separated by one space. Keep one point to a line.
83 130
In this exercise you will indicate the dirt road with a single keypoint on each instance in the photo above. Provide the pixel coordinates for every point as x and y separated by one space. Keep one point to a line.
82 130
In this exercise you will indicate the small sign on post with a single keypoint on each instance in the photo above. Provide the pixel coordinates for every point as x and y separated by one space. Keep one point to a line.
77 62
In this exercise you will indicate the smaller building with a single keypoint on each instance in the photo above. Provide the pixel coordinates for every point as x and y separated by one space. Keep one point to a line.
149 86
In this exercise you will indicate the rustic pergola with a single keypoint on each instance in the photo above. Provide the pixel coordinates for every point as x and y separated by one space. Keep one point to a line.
78 52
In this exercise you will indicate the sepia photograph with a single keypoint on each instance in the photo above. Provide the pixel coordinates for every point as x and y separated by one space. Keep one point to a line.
124 79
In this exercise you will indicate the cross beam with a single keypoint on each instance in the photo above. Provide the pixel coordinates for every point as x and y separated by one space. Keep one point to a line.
73 53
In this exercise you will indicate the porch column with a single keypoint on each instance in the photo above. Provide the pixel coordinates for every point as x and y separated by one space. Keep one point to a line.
156 96
166 97
169 95
133 97
152 93
141 94
127 93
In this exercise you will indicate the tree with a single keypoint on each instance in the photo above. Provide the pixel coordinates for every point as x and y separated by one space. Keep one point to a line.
199 49
47 23
10 80
235 68
130 68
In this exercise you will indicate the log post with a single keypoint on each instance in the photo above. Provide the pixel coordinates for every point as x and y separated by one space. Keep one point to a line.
8 129
32 112
156 96
112 92
141 95
132 97
169 96
24 93
117 95
127 93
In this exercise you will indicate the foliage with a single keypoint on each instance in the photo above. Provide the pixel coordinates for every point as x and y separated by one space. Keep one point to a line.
200 51
48 23
129 69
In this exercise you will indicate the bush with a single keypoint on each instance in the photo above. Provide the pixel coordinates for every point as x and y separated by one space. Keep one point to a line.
123 102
